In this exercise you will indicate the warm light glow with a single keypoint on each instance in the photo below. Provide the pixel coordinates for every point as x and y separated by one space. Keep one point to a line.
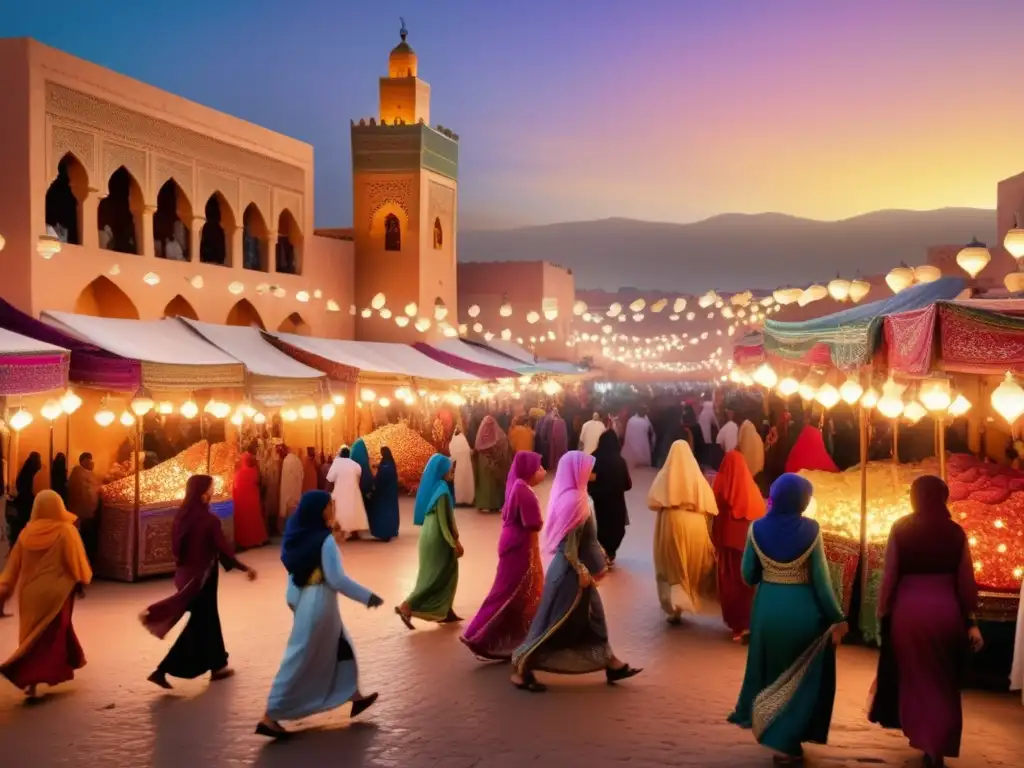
959 407
474 310
189 409
506 309
401 321
1008 399
450 332
51 410
532 317
220 410
237 288
366 313
378 301
839 289
308 412
890 404
237 418
289 415
70 402
127 419
579 307
165 408
411 309
914 412
1014 242
637 306
48 246
105 417
1014 282
259 418
20 419
707 300
367 395
551 387
870 398
765 376
385 314
338 399
927 273
302 296
851 390
384 402
973 258
828 396
332 306
550 314
440 310
858 290
786 296
423 324
506 334
789 387
899 278
142 403
197 281
151 278
935 394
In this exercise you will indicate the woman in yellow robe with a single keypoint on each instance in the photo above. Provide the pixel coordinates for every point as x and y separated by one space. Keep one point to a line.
521 436
684 557
48 566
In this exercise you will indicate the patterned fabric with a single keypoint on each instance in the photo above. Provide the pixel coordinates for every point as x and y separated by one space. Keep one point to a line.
980 341
910 339
29 374
793 572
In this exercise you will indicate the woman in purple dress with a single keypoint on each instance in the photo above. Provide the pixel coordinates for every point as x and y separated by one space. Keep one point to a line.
504 619
926 607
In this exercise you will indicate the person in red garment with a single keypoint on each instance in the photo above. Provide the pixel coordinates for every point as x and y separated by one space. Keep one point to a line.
250 529
809 452
739 504
49 568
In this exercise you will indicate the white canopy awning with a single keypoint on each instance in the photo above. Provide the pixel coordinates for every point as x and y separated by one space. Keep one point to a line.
172 355
376 357
12 343
476 354
513 350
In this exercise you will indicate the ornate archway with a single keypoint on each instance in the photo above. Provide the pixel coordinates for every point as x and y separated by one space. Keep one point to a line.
244 314
179 306
102 298
295 324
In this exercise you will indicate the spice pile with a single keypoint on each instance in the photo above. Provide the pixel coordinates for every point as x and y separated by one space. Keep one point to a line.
410 450
166 481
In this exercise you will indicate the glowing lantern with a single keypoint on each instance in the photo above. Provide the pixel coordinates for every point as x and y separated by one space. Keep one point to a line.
450 332
707 300
411 309
189 409
142 403
237 288
20 419
505 310
551 313
51 410
127 419
973 257
365 313
935 395
637 306
48 246
850 391
104 417
870 398
659 305
814 293
741 299
70 402
332 306
914 412
474 310
828 396
1008 399
899 279
927 273
440 309
278 292
765 376
197 282
338 399
679 305
401 321
289 415
551 387
236 418
786 296
385 314
579 308
308 412
789 387
378 301
1014 282
220 410
690 316
839 289
638 317
532 317
423 324
302 296
858 290
1014 241
151 278
959 407
328 411
367 395
890 404
165 408
478 328
506 335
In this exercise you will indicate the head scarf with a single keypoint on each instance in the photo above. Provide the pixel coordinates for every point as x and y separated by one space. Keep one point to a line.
928 540
27 474
736 490
808 452
49 521
517 489
784 533
386 457
608 450
192 512
680 483
751 446
489 434
568 504
361 456
59 475
433 487
304 536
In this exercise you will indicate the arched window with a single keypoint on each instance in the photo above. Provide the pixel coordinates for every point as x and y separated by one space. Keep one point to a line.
64 200
438 235
295 324
101 298
392 233
171 234
288 250
215 242
120 213
243 313
179 306
254 239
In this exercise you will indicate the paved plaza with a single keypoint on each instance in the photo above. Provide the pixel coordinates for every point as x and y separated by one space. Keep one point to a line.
439 706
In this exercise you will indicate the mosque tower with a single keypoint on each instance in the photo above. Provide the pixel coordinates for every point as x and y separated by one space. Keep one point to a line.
405 200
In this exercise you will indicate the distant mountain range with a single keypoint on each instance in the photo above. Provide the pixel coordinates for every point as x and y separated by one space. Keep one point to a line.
731 251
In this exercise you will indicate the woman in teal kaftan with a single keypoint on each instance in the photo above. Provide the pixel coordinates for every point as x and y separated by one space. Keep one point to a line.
789 685
439 548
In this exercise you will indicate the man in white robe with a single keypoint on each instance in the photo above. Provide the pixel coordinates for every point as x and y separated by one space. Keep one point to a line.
729 434
639 440
349 511
707 420
591 433
462 455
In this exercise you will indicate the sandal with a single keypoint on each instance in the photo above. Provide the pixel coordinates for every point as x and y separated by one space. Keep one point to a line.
262 729
531 684
407 620
622 673
361 705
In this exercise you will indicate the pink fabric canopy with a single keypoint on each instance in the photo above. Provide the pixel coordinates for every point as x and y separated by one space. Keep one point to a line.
466 366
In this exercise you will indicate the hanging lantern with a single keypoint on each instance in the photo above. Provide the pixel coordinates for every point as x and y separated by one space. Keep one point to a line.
422 324
859 289
333 306
142 403
659 305
308 412
127 418
259 418
506 335
679 305
532 317
104 417
1014 281
890 404
367 312
973 257
551 313
220 410
70 402
786 296
450 332
151 278
851 390
765 376
899 278
869 399
440 310
411 309
808 389
165 408
637 306
48 246
828 396
506 308
1008 399
236 288
614 309
20 419
289 415
385 314
1014 241
839 289
189 409
959 407
579 307
788 387
237 418
741 299
914 412
51 410
927 273
378 301
401 321
935 394
473 311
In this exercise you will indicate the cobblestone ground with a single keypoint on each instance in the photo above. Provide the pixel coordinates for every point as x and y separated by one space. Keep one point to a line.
439 706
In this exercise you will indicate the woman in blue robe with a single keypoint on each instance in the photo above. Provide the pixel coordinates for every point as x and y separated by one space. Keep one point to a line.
361 456
318 672
789 686
384 516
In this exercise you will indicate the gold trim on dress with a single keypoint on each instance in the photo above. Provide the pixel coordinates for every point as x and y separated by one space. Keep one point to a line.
794 572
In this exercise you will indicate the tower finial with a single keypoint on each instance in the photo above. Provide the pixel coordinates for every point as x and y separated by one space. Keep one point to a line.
403 31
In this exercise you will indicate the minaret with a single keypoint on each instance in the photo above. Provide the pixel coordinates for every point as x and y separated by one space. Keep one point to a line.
405 192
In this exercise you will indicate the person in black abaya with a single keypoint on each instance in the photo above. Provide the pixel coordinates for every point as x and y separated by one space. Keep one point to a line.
608 490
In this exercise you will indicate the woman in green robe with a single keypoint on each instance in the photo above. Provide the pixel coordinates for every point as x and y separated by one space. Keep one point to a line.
789 686
439 548
494 458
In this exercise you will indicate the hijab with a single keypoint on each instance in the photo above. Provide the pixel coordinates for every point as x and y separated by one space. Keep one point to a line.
489 434
609 466
304 536
524 466
568 504
808 452
361 456
433 487
50 519
27 474
192 513
736 490
928 540
751 446
59 476
784 533
680 483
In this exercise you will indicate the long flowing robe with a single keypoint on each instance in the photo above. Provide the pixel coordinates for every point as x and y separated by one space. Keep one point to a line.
348 498
927 602
291 484
708 421
728 437
438 575
590 434
45 566
384 513
558 440
360 454
462 455
494 456
751 446
808 452
250 529
504 618
684 557
84 503
318 672
608 491
636 446
270 474
739 504
310 473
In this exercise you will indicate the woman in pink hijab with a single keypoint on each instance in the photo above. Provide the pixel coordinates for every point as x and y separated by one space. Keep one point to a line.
569 634
504 619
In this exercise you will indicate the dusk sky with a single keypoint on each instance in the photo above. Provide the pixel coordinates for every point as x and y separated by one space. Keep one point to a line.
669 110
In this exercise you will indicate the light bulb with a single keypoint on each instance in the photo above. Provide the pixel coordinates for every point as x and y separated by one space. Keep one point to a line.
289 415
20 419
850 391
105 417
308 412
127 419
189 409
70 402
51 410
327 411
